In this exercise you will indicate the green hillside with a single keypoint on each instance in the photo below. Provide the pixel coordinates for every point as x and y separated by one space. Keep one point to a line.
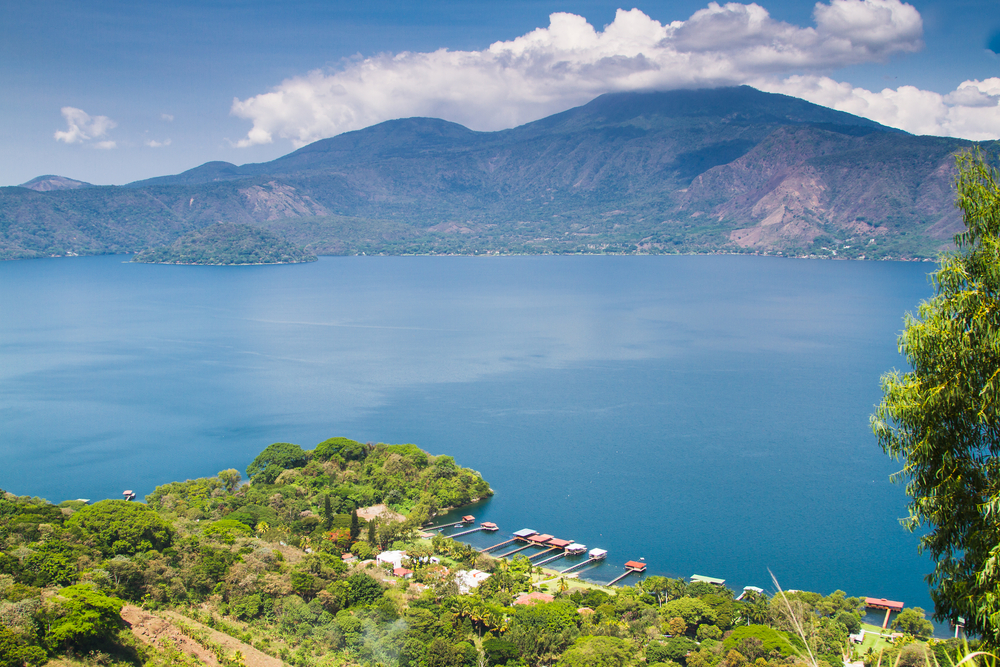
722 170
227 244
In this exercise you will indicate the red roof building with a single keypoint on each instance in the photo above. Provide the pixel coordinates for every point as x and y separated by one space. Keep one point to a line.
882 603
539 539
533 598
636 565
561 544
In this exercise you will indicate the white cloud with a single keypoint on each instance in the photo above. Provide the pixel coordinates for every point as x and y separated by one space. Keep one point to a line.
82 127
569 62
153 143
167 117
972 111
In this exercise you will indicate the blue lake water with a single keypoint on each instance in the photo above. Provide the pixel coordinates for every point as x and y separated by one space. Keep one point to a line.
708 414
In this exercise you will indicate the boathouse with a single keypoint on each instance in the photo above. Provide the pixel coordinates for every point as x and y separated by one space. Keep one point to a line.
559 544
525 533
539 539
576 548
635 566
715 581
888 605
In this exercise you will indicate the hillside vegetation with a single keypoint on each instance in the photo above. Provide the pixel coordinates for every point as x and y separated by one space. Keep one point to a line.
229 573
722 170
227 244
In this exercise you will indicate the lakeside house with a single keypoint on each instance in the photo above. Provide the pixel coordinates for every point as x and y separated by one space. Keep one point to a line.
469 579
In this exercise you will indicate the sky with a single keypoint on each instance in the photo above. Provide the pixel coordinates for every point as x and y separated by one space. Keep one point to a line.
111 92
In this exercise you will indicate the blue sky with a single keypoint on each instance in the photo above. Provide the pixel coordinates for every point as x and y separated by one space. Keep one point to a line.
112 92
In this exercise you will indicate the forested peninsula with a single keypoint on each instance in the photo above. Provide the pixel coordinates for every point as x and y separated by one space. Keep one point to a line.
281 570
227 244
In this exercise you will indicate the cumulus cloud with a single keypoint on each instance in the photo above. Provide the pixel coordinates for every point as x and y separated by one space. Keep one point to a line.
570 62
153 143
971 111
82 128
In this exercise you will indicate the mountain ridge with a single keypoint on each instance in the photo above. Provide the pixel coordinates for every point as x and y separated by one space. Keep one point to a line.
716 170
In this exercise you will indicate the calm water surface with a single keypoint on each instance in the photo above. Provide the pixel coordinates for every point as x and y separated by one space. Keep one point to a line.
708 414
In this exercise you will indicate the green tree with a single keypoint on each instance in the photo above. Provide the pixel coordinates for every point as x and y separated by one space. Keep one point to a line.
281 455
16 652
595 651
912 622
942 419
355 524
120 527
230 478
80 617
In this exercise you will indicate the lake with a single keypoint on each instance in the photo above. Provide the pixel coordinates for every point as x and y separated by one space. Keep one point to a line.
708 414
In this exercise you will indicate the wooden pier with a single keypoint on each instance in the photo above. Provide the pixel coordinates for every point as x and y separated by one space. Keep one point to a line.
551 558
451 525
542 553
497 546
630 567
579 565
595 555
485 526
510 553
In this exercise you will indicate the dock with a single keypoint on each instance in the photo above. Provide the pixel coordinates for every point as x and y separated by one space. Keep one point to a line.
465 520
497 546
485 526
552 558
888 605
595 555
511 553
630 567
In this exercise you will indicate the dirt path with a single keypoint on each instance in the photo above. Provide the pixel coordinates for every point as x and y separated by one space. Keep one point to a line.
159 630
159 633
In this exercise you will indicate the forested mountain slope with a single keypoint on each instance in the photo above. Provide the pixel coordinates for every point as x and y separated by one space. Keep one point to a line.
720 170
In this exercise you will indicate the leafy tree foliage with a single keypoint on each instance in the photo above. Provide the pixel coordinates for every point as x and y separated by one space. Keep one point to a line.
278 456
80 616
943 417
16 652
121 527
227 244
912 622
597 651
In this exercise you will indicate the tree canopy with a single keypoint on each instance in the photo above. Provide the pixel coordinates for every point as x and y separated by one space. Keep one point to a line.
941 418
274 459
120 527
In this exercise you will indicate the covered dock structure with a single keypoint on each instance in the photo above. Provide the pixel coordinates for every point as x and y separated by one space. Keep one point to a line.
888 605
630 567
